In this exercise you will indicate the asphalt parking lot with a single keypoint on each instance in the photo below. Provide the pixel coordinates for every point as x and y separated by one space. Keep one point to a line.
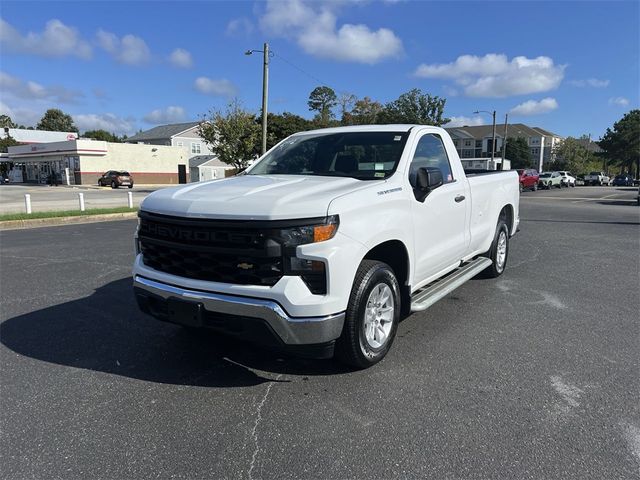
46 198
532 375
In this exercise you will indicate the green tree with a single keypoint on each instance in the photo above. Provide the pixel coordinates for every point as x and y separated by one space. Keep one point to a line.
346 102
6 122
365 112
102 135
55 120
414 107
7 142
571 154
233 135
622 144
517 151
322 100
280 126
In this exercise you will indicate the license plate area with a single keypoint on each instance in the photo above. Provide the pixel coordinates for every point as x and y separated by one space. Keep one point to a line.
184 312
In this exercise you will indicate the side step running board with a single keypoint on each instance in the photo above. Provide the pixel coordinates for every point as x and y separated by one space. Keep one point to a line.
427 296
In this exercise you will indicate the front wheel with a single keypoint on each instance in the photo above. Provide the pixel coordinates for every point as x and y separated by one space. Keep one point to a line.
535 187
499 251
372 316
114 184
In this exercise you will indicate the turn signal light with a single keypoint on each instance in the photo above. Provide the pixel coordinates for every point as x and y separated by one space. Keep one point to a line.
324 232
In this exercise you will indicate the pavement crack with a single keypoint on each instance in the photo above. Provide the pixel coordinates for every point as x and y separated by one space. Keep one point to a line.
254 431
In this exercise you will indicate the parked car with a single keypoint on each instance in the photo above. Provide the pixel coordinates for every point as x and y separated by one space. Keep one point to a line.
580 180
322 243
115 179
550 179
528 179
597 178
568 180
623 181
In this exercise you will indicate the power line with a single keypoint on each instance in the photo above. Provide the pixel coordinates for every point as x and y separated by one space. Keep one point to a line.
313 77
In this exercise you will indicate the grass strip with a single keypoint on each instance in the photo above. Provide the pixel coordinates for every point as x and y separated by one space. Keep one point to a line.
64 213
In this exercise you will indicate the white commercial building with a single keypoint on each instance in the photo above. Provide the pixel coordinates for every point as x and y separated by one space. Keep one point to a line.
83 161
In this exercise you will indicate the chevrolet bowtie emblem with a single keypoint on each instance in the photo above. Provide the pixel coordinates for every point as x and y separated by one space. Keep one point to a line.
245 266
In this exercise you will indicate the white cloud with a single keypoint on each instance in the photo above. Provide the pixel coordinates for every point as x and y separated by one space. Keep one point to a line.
30 90
172 114
181 58
314 27
6 110
104 121
464 122
239 27
590 82
533 107
494 75
130 50
56 40
21 116
620 101
221 87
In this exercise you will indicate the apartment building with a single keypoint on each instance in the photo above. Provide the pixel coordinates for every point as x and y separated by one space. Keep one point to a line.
475 141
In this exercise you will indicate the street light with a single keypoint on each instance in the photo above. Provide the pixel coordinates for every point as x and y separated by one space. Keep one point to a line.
265 90
493 137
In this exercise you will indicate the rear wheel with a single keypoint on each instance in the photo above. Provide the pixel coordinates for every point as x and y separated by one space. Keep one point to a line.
499 251
372 316
114 184
535 187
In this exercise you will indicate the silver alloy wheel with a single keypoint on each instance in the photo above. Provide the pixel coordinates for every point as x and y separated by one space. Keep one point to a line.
379 315
501 254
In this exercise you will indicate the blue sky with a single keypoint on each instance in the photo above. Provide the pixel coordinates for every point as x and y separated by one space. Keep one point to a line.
570 67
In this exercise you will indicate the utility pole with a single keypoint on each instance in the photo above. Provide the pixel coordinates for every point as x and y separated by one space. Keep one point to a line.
265 93
493 141
265 90
504 141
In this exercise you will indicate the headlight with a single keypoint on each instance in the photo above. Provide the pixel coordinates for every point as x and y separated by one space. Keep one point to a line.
294 236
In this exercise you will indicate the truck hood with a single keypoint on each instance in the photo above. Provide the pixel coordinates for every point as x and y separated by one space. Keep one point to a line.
253 197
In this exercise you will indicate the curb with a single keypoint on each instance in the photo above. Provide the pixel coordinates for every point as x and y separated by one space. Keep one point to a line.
48 222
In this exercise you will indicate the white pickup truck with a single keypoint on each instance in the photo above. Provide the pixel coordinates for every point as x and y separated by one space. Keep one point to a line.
326 241
597 178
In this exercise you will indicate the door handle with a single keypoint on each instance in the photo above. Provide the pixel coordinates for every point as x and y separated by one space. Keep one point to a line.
459 198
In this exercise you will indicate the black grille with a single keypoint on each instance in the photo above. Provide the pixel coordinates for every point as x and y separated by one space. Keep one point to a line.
212 250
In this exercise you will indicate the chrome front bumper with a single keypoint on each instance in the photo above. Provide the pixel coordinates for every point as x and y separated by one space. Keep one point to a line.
290 330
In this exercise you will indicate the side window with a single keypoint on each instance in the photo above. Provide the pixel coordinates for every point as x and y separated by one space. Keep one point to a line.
430 152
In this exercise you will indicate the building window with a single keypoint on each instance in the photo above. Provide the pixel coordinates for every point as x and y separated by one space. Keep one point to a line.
195 148
455 142
478 143
179 144
467 143
535 151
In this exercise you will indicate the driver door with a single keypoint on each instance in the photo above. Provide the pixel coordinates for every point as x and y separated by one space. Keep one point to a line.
439 222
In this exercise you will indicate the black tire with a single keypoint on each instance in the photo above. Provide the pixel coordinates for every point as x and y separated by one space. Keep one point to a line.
353 347
535 187
130 186
496 269
114 184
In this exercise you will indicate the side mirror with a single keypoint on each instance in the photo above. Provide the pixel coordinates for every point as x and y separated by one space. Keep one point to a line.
427 179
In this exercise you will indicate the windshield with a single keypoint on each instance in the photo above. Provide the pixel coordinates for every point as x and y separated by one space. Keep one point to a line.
361 155
595 173
545 175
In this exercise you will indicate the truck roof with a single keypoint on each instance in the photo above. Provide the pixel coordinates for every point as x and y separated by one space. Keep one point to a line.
401 127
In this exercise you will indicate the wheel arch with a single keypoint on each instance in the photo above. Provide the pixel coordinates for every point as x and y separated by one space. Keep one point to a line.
395 254
507 213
